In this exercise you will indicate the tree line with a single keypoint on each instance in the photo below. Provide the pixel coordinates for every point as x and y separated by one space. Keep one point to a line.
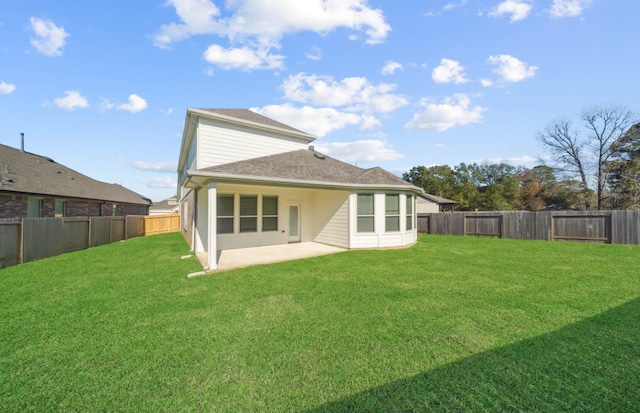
595 165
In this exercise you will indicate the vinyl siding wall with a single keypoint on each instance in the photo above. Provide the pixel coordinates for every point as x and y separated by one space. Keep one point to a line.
220 143
332 218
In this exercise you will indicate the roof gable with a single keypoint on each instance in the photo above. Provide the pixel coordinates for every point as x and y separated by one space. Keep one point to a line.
28 173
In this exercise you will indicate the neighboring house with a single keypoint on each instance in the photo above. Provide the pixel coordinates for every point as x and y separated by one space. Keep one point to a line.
428 203
35 186
246 181
167 206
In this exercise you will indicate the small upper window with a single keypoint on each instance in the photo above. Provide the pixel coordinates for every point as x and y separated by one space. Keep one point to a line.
61 208
34 207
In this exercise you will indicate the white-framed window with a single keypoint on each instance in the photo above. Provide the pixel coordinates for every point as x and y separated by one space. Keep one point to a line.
248 213
269 213
224 213
409 211
61 208
366 213
34 207
392 213
114 210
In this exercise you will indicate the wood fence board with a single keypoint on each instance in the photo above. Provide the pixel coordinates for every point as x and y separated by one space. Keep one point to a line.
10 243
76 234
42 238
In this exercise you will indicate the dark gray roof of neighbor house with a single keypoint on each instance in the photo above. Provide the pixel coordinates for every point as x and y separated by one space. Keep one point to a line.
31 174
165 204
437 199
308 165
247 115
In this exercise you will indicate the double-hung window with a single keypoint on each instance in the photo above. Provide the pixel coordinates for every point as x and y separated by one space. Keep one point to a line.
366 214
269 213
392 212
409 210
224 212
248 213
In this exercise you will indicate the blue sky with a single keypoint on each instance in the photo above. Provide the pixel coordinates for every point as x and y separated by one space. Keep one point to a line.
102 86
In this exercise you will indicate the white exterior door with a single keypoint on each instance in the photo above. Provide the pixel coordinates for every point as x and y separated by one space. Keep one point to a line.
294 223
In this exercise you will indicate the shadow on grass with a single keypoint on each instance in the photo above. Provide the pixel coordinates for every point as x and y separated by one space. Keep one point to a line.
593 365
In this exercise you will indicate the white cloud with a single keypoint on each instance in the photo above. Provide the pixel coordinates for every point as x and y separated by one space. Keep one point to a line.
449 71
156 166
352 93
6 88
314 54
518 9
72 100
159 182
259 25
136 104
105 105
519 160
568 8
243 58
439 145
390 67
166 112
512 69
486 82
49 39
316 121
454 111
371 150
453 5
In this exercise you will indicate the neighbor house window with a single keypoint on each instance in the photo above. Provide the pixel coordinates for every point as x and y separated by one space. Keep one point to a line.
224 214
409 212
392 212
114 210
248 213
34 207
61 208
366 217
269 213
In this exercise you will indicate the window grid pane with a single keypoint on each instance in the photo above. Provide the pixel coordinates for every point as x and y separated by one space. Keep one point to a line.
225 225
249 205
269 205
392 223
224 206
365 224
248 224
392 204
365 204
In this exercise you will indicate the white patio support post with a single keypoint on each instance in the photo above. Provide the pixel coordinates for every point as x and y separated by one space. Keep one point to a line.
212 250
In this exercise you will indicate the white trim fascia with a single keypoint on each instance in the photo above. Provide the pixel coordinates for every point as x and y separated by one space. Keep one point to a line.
253 179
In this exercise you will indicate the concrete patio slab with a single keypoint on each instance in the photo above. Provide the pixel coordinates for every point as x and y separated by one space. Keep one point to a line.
245 257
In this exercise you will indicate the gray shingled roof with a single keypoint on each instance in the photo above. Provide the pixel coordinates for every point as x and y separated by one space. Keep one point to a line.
309 166
28 173
438 199
247 115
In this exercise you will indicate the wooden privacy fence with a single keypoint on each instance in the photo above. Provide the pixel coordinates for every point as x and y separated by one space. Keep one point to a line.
611 227
31 239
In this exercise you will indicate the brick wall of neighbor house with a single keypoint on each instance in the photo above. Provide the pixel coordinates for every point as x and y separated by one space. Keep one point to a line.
13 206
127 209
82 209
48 208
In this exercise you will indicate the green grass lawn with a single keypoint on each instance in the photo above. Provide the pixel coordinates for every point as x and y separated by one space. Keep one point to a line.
451 324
